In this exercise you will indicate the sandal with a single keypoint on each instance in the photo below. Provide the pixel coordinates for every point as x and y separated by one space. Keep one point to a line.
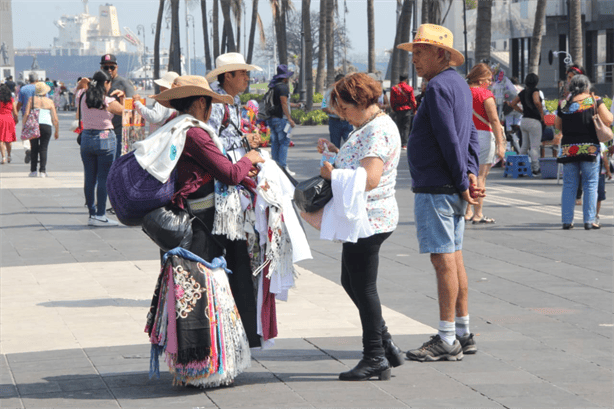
484 220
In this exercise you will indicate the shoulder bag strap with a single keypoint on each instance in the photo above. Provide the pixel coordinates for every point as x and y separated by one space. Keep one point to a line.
480 118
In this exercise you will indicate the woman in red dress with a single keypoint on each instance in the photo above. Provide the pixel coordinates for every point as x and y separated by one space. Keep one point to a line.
8 119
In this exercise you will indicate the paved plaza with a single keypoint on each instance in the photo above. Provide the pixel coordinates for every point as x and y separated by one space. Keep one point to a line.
74 300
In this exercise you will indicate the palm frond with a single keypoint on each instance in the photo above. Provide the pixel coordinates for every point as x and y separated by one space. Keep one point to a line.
261 31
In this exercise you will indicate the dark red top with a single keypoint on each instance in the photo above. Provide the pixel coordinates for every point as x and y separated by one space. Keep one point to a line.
201 162
402 97
480 95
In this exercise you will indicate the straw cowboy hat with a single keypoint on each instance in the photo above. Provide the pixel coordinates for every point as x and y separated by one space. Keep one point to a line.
230 62
189 86
167 79
41 88
438 36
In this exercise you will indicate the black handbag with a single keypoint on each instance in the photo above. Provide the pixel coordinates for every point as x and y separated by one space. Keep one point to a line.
312 194
168 227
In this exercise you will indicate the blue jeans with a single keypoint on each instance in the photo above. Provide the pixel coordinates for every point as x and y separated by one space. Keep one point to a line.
279 140
338 130
588 173
97 153
440 222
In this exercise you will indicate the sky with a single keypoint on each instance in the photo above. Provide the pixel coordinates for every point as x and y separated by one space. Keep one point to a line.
40 16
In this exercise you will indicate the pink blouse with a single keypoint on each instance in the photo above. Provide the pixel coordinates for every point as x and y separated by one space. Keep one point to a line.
99 119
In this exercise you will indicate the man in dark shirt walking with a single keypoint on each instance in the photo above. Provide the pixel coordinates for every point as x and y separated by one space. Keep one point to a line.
108 63
443 160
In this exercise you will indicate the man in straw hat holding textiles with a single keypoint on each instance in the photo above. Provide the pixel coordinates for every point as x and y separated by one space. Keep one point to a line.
158 114
443 160
231 74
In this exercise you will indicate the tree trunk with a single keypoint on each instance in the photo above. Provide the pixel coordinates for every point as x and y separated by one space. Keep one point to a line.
425 12
575 35
230 36
321 49
308 53
174 51
371 36
330 43
400 58
203 9
216 30
282 43
252 31
224 42
482 31
536 40
238 21
157 45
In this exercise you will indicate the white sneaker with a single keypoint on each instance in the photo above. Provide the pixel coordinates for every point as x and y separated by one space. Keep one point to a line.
42 175
101 221
290 172
33 174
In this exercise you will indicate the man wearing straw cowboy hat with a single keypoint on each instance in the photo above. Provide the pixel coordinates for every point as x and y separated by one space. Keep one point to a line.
158 114
442 152
231 74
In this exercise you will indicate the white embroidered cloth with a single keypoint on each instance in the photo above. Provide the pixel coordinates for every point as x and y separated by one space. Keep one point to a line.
345 217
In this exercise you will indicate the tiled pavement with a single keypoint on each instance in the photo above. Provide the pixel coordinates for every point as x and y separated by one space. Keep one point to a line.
74 298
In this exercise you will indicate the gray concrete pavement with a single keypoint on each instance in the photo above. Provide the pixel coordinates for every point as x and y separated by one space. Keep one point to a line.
74 299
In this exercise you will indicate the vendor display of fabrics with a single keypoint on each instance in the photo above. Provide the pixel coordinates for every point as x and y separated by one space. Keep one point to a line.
194 321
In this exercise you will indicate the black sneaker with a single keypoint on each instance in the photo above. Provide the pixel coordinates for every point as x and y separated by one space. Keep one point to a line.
436 349
27 158
468 344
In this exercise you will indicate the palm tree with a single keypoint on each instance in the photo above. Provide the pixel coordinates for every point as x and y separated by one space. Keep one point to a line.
575 34
400 58
536 40
321 48
203 9
256 20
279 9
431 11
157 44
330 43
371 36
174 51
216 30
482 30
308 53
230 38
237 8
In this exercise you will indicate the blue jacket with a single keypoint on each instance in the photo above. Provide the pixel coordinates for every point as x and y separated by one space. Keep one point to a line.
443 145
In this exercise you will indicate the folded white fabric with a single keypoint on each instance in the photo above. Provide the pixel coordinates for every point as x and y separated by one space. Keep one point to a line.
345 217
160 152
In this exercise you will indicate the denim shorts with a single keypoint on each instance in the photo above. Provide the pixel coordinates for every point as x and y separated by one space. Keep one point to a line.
440 222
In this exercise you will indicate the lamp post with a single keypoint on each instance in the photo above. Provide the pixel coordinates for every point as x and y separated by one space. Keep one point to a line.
187 38
301 90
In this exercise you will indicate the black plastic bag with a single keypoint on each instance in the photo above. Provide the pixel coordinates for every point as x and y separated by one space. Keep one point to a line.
312 194
168 227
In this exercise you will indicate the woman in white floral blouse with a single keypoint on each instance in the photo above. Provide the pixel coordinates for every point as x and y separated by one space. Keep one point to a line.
374 145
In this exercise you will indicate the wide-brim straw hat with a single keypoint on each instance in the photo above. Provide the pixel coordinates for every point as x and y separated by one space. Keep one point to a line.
189 86
167 79
230 62
439 36
40 88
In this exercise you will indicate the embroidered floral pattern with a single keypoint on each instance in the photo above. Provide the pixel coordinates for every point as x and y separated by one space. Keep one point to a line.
579 149
187 292
380 139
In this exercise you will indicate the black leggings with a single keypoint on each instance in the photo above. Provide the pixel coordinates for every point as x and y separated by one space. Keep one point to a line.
359 264
38 147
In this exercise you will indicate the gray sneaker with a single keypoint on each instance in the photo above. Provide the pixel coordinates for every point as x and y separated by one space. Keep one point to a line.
436 349
468 344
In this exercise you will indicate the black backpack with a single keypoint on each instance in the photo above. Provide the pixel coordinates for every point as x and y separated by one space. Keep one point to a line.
266 106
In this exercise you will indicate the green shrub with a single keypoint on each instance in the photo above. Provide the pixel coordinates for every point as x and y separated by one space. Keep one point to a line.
298 116
247 97
317 98
317 117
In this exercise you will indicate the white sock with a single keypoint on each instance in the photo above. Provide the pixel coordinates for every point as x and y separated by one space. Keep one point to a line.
462 325
447 331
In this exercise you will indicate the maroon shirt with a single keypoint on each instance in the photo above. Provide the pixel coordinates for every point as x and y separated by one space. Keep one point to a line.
201 162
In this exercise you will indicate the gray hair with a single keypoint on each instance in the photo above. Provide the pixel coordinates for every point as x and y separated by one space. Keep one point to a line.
579 84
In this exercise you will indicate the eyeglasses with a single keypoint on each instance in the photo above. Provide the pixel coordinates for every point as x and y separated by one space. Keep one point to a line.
109 67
